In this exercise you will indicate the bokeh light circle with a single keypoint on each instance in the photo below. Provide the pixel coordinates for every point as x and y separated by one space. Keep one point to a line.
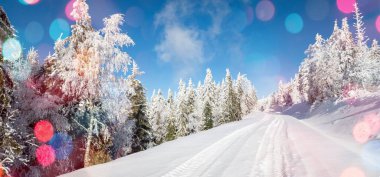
45 155
317 9
373 120
59 27
265 10
29 2
11 49
1 170
34 32
346 6
353 172
69 9
371 154
378 23
62 144
294 23
362 132
43 131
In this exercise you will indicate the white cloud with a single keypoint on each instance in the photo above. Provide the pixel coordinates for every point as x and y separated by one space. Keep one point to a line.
218 10
181 45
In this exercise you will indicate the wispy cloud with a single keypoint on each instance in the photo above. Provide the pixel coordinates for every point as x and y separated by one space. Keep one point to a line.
183 42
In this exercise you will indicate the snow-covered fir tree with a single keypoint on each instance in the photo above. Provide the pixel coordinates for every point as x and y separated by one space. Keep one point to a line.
142 131
181 110
231 103
208 100
171 131
246 93
193 118
12 144
84 74
158 117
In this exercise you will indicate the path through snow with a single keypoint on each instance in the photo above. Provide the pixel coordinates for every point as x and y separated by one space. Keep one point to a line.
265 145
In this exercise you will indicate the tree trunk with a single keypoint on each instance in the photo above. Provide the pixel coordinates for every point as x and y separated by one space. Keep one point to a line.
88 143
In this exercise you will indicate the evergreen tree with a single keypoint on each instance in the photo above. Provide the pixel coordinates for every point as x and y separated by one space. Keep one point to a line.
171 132
12 143
361 38
218 111
208 98
80 71
246 94
142 132
231 104
182 110
368 69
194 122
208 121
158 117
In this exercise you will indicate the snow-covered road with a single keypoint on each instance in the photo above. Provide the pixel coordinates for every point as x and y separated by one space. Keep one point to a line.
264 145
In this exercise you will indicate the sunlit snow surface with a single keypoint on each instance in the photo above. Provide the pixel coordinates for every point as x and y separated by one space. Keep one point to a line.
264 145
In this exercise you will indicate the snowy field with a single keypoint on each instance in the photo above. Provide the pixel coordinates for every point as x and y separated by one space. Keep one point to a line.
261 145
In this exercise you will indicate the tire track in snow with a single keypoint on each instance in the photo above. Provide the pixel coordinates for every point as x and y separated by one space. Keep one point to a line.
225 164
274 157
209 155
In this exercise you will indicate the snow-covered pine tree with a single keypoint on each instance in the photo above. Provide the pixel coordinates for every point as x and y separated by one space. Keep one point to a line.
347 62
194 121
181 110
360 50
247 94
209 97
158 117
239 92
309 68
231 104
218 111
361 38
6 84
373 80
198 111
208 121
12 142
79 69
368 68
142 131
171 131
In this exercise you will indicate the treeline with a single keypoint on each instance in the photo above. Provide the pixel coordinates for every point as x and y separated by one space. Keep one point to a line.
201 107
335 68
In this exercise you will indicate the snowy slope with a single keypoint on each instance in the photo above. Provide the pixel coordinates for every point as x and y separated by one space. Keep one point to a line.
262 145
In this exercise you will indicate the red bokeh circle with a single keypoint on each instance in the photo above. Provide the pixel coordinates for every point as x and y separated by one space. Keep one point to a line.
43 131
45 155
1 170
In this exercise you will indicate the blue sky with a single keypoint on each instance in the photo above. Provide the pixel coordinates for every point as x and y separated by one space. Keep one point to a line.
180 39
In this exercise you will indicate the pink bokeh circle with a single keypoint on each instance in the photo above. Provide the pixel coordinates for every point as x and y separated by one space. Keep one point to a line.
45 155
346 6
265 10
378 23
69 9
